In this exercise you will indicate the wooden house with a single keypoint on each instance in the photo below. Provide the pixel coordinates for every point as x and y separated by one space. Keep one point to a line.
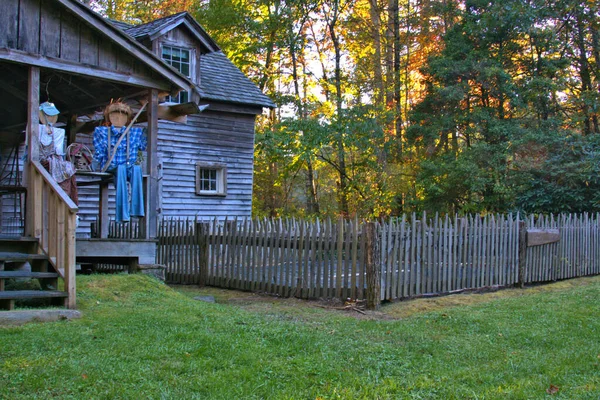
62 51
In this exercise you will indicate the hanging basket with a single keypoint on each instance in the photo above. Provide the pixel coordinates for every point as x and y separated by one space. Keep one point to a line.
80 156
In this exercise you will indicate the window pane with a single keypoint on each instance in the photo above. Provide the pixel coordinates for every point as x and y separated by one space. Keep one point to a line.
183 97
185 55
207 178
185 69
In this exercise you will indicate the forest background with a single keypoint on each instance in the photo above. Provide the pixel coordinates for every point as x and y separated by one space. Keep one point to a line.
392 106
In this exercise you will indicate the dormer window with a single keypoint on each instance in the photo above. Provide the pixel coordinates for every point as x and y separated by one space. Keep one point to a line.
180 59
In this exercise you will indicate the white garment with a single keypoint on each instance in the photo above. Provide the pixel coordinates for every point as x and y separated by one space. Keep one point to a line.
59 138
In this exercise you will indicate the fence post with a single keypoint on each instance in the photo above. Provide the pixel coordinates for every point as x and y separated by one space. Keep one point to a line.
522 253
202 230
373 266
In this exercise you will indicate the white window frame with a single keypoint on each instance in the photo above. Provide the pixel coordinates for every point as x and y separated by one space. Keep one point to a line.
191 55
221 177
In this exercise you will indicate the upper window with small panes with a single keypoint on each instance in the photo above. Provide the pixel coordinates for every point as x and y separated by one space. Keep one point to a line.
180 59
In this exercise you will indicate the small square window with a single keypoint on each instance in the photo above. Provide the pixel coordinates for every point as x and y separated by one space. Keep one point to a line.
211 179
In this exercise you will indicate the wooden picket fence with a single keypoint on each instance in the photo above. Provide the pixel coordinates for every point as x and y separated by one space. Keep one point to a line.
408 256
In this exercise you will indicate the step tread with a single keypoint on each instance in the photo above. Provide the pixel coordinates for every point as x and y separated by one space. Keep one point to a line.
30 294
13 239
27 274
8 256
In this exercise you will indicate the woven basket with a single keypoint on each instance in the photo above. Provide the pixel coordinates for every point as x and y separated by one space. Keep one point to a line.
80 156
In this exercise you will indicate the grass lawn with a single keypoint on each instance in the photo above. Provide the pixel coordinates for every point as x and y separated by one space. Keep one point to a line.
141 339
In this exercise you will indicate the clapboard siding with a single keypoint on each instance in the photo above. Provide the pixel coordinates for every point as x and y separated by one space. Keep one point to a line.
209 137
218 137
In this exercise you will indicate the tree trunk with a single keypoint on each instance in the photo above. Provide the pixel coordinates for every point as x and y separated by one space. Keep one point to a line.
376 33
584 72
341 152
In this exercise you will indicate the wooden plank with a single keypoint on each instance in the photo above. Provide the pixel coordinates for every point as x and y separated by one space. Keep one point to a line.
235 254
339 270
152 163
493 251
328 266
361 262
312 270
373 266
256 254
29 26
387 250
500 252
49 23
539 237
354 256
435 254
270 262
286 282
32 181
9 20
406 262
346 248
299 269
295 275
69 38
88 46
426 251
399 258
306 257
278 244
320 260
418 261
72 65
522 251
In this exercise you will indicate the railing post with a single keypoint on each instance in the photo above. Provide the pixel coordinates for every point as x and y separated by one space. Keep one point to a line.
373 266
69 260
33 204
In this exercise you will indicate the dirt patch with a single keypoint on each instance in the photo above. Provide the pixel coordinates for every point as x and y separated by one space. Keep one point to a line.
323 308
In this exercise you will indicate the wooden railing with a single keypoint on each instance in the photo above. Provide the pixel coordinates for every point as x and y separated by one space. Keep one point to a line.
52 219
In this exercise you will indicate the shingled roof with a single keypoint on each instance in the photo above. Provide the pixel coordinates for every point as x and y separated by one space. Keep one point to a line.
220 79
148 29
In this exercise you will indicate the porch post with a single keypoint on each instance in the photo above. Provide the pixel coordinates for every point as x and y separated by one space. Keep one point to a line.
153 210
33 208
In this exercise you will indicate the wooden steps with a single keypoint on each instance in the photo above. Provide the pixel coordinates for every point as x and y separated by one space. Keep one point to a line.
27 274
31 294
8 297
25 270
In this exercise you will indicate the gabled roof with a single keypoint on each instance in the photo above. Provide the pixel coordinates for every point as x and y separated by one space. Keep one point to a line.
126 42
159 27
221 80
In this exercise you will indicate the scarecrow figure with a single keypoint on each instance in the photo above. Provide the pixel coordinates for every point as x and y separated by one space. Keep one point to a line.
52 150
116 149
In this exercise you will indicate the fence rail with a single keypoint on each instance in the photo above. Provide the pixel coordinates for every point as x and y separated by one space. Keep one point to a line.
414 256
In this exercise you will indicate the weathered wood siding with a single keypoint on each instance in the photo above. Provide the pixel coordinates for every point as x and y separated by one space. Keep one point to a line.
211 136
45 28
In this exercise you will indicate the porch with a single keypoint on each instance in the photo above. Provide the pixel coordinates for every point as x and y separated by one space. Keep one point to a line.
60 51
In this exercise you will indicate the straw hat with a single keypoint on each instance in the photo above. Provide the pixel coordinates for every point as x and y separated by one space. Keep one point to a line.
118 107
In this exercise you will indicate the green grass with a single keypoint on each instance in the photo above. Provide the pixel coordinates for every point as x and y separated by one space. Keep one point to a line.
141 339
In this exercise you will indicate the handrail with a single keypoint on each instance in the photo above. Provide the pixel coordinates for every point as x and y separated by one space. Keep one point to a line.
53 221
56 187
